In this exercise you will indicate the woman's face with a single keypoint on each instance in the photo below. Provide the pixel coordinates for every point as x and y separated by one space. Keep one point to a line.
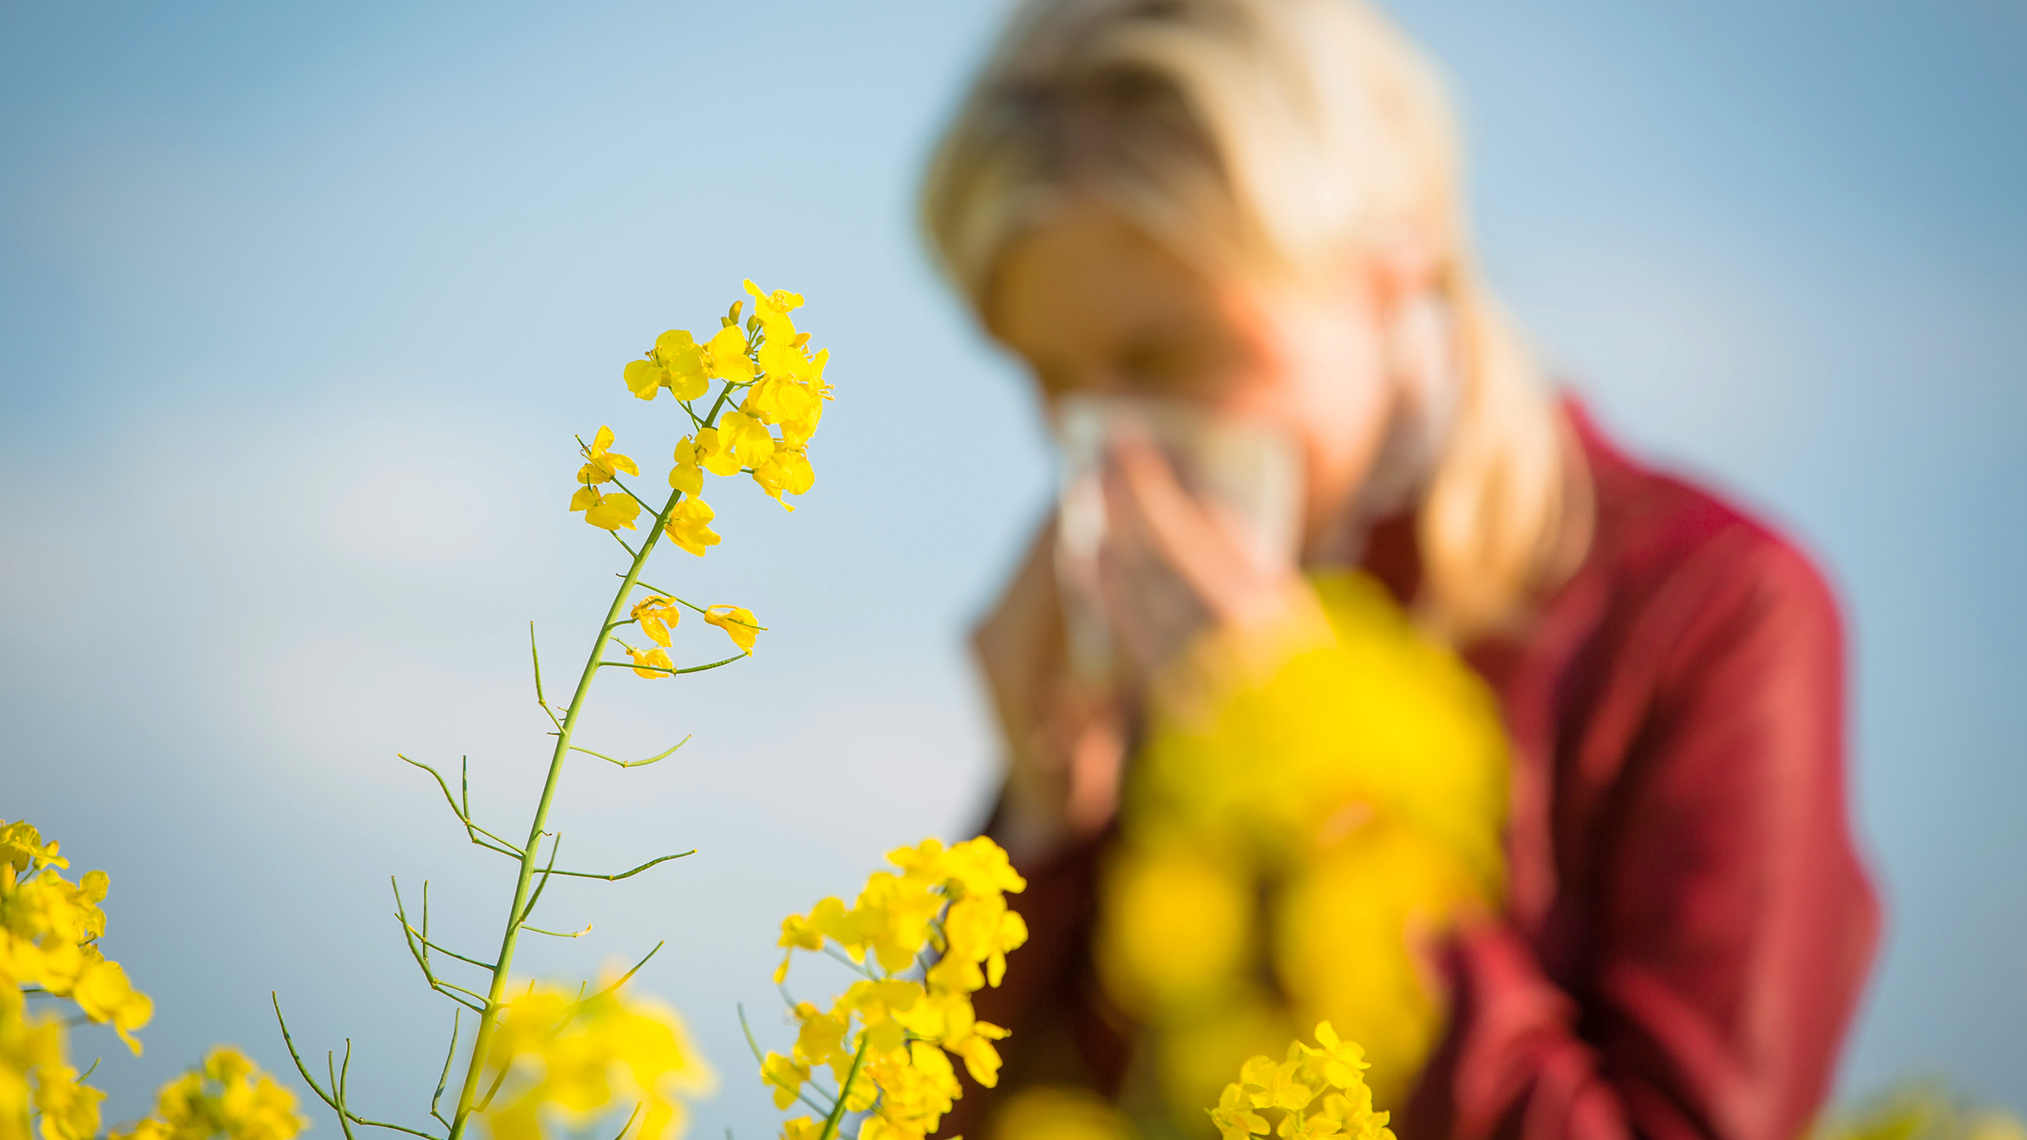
1095 306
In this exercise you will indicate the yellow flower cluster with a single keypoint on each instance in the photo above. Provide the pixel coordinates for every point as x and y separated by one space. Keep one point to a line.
559 1053
1277 850
229 1097
1318 1091
49 931
772 384
34 1077
945 904
658 614
611 510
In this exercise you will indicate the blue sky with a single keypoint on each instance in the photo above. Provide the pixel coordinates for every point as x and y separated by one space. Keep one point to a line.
300 306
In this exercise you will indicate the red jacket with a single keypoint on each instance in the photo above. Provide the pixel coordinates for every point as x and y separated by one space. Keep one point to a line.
1688 927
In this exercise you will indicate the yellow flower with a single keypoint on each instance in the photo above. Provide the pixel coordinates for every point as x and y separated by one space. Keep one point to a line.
786 1076
70 1109
1235 1117
229 1097
104 994
1275 1086
745 438
799 933
682 359
689 526
1340 1063
714 451
612 511
644 378
584 498
802 1128
725 356
822 1036
686 476
675 363
738 624
656 657
21 846
785 471
557 1055
657 615
601 463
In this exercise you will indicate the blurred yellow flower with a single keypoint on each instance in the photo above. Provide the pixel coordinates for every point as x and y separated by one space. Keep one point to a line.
785 1076
229 1097
738 624
556 1055
21 846
689 526
70 1109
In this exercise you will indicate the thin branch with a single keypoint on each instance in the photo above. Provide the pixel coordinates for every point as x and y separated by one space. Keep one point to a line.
555 845
634 763
675 672
443 1082
472 830
556 933
421 955
630 973
290 1041
629 1121
623 874
650 508
330 1068
345 1114
858 968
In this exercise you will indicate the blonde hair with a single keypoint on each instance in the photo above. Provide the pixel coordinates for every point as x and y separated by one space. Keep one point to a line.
1280 138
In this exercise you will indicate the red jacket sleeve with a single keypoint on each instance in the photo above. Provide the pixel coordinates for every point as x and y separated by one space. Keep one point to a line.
1728 924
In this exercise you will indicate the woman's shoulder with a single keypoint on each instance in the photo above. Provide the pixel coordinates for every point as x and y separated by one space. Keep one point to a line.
1676 566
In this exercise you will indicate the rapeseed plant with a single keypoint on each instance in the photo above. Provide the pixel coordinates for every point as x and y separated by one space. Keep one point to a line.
542 1052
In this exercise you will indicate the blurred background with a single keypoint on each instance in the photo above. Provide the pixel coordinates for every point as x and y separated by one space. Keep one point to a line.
300 306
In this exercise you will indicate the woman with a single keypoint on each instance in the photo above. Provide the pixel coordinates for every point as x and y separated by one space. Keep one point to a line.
1250 208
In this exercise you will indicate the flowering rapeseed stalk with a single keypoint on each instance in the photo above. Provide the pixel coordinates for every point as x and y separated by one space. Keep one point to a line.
545 1050
923 942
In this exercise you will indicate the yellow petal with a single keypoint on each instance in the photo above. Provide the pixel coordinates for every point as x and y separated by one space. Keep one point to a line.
613 511
643 378
686 476
583 499
727 352
737 623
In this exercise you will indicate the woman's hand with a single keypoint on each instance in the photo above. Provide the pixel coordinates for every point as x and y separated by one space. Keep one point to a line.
1066 741
1173 568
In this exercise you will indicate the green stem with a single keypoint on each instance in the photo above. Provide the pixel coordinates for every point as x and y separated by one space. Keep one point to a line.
830 1126
489 1018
